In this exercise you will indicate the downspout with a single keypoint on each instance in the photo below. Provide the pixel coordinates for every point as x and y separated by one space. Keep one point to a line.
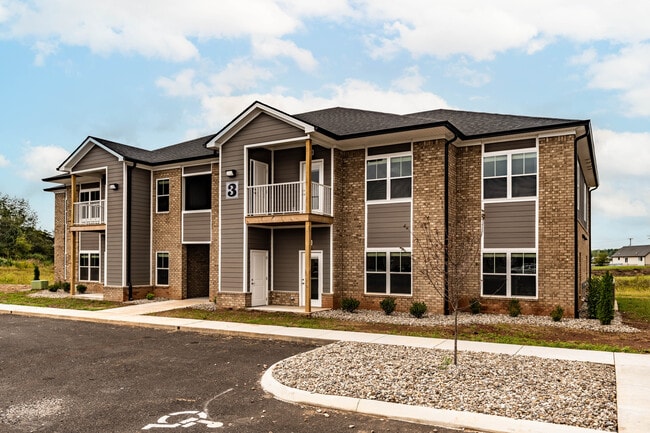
129 176
446 198
576 267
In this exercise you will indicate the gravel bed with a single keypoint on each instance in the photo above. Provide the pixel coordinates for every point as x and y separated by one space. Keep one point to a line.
479 319
523 387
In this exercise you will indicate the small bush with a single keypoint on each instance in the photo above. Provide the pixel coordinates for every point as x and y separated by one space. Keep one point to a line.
514 309
81 288
150 296
55 286
418 309
37 273
605 307
350 304
474 306
593 297
557 313
66 286
388 305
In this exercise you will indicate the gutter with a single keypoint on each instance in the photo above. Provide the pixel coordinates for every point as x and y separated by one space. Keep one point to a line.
129 187
576 265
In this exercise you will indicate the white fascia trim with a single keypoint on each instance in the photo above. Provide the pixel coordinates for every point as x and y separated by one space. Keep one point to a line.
279 142
153 207
124 222
219 248
244 277
82 150
249 115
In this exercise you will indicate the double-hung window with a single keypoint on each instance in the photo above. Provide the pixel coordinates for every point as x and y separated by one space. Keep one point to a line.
389 178
162 195
88 266
388 272
510 175
512 274
162 268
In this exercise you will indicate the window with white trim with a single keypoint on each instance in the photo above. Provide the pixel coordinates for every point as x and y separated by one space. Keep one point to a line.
162 195
89 266
510 274
162 269
389 177
510 175
392 276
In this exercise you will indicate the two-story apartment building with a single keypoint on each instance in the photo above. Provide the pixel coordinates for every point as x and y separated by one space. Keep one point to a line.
309 208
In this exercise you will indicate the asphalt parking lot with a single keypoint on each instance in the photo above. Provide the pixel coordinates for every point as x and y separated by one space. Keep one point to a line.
66 376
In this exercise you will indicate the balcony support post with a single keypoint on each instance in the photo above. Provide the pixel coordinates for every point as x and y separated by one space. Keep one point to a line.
307 275
73 246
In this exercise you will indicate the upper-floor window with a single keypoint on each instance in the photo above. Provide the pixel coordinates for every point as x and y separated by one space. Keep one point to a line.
162 195
510 175
198 192
389 178
89 195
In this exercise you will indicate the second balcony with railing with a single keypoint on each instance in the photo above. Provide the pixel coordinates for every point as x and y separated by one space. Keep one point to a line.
288 198
89 213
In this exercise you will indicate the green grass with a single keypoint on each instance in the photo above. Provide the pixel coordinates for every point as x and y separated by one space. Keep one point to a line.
22 271
617 267
21 298
633 297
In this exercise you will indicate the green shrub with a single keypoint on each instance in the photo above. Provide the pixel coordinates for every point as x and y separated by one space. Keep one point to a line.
55 286
66 286
557 313
605 307
514 308
474 306
150 296
388 305
81 288
418 309
350 304
593 296
37 273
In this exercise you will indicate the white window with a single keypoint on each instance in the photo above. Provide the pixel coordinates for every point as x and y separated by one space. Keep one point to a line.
389 178
510 274
510 175
162 195
162 268
89 266
388 272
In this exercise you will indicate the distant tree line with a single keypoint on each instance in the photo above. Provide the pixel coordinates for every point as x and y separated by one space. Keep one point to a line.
20 238
602 257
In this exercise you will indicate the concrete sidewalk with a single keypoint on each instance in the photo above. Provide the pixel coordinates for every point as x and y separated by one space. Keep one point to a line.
632 370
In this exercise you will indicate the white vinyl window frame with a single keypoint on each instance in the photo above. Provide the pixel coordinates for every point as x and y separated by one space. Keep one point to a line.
159 195
509 155
510 273
387 272
371 175
162 255
89 257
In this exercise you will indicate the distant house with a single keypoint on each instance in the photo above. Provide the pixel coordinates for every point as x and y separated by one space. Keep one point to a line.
307 209
633 255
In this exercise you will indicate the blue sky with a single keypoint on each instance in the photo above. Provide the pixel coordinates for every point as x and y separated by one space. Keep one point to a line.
151 73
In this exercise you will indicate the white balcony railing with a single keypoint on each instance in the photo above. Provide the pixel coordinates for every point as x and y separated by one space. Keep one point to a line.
288 198
89 212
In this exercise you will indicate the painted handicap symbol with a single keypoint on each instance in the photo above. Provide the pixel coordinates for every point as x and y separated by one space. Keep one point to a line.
193 417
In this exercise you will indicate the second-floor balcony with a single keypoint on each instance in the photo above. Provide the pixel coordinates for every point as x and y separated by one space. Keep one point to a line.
288 198
89 213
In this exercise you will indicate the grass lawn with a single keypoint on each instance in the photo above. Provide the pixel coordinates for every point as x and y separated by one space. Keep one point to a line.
22 271
21 298
633 297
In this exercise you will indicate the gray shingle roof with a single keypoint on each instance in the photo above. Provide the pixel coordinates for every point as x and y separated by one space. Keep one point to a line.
633 251
185 151
348 122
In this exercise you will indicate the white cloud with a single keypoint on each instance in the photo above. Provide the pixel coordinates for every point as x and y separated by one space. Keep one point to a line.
268 48
39 162
3 161
468 76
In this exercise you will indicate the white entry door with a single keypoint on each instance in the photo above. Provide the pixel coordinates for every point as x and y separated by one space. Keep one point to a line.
316 178
316 277
259 277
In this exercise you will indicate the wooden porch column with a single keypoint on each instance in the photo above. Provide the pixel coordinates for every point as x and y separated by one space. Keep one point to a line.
73 247
308 226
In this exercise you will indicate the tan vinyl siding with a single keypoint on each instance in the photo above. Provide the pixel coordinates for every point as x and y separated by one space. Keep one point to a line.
510 145
265 128
196 227
286 246
204 168
88 241
232 220
94 159
386 225
287 164
510 225
140 226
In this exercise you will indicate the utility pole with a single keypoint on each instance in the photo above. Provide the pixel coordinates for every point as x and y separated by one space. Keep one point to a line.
630 241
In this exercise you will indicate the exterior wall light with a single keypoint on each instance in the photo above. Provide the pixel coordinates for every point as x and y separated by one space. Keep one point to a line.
231 173
113 186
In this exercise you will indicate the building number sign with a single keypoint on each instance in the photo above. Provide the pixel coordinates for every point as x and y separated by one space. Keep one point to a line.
232 189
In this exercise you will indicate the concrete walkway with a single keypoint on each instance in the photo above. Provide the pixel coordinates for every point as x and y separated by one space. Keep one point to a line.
632 370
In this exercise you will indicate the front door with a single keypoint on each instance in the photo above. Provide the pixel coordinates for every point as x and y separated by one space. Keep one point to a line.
316 277
259 272
316 180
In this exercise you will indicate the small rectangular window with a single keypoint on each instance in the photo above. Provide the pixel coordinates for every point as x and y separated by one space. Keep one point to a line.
89 266
510 274
389 178
510 176
162 269
392 277
198 192
162 195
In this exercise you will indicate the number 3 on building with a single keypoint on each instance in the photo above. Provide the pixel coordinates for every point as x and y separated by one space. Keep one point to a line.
232 189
